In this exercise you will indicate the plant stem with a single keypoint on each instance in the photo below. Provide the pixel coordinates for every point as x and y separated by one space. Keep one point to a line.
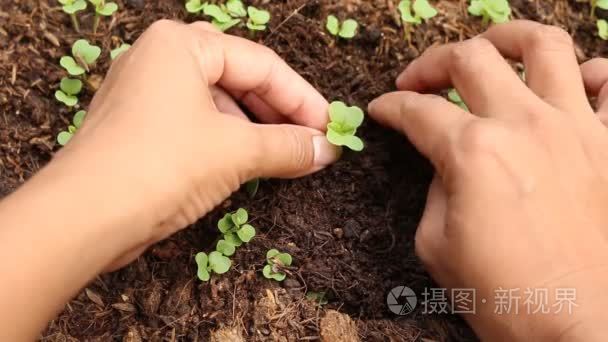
408 33
96 23
75 22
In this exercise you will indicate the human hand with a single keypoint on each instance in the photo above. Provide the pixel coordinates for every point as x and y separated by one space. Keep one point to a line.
165 140
519 197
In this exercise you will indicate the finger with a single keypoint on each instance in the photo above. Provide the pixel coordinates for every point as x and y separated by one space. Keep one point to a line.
259 108
430 234
595 77
429 121
552 70
242 65
225 103
483 78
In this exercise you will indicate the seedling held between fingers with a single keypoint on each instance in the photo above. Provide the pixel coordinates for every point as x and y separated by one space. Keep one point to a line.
215 262
276 263
346 30
64 137
343 126
455 98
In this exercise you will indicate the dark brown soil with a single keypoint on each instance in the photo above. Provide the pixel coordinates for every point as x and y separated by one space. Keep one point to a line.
350 228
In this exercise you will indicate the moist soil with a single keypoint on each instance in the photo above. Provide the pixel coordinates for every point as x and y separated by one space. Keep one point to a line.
349 228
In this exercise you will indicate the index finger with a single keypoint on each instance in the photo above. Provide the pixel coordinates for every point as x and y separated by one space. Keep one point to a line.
238 64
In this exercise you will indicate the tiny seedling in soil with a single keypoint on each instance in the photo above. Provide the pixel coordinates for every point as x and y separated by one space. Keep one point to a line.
346 30
455 98
119 51
257 19
603 4
102 9
72 7
236 231
64 137
343 126
215 262
276 262
498 11
317 297
84 55
602 29
413 12
221 19
195 6
68 89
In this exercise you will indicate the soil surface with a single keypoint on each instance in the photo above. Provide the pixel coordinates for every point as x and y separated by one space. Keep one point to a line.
349 228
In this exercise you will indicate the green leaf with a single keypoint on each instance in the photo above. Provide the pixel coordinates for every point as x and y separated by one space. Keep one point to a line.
405 8
195 6
254 27
252 187
278 276
333 25
63 138
79 118
216 12
233 238
225 247
602 28
603 4
267 271
72 129
70 86
87 52
225 224
74 7
68 100
119 51
246 233
70 65
236 8
476 8
227 25
219 263
354 143
424 10
271 254
284 258
347 118
202 261
108 9
257 16
240 217
349 29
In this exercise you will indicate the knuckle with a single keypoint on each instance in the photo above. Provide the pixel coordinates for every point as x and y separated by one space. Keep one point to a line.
162 27
479 138
548 37
466 55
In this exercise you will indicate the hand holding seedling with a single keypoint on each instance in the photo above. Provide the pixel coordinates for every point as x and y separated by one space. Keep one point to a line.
519 197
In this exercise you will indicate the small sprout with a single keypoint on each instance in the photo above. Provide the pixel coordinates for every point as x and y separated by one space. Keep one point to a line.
225 247
64 137
602 29
317 297
69 88
84 56
220 17
102 8
236 8
252 187
455 98
257 19
119 51
603 4
235 228
498 11
276 263
414 12
214 262
195 6
346 30
343 126
72 7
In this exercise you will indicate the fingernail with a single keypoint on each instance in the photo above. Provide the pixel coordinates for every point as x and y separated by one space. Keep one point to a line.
325 153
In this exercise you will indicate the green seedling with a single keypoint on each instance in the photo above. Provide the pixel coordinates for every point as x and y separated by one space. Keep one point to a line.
258 19
603 4
236 9
64 137
498 11
102 9
275 265
413 13
455 98
343 126
119 51
236 230
221 19
84 55
72 7
195 6
68 89
346 30
602 29
215 262
317 297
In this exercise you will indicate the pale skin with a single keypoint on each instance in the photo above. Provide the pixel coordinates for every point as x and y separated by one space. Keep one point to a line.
518 200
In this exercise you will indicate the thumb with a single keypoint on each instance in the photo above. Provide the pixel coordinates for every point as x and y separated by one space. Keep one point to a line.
290 151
